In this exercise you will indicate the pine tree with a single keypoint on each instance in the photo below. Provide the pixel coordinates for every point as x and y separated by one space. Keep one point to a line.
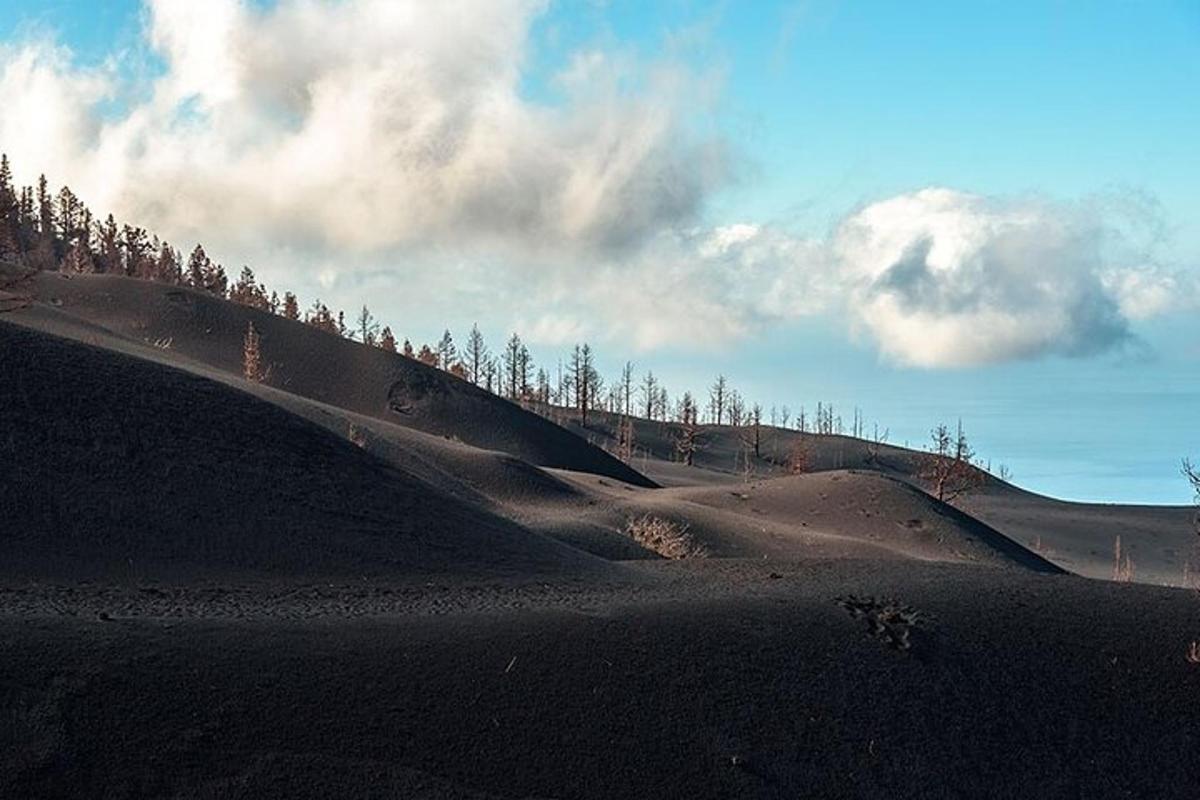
136 249
168 267
321 318
10 214
249 293
197 267
110 247
43 252
368 328
291 307
387 341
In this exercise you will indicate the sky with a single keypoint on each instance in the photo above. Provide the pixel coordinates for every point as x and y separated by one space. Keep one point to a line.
929 211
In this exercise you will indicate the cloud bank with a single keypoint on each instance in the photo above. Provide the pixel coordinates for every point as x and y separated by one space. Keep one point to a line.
373 144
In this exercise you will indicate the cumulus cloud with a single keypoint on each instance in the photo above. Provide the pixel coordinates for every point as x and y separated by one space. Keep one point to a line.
945 278
362 148
365 125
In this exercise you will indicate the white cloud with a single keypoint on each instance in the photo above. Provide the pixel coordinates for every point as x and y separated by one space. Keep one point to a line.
365 125
941 278
386 150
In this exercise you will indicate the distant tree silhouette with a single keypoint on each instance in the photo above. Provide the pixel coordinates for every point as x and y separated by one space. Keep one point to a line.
447 353
408 350
687 444
718 396
291 306
516 367
10 215
427 355
737 408
367 328
649 390
387 341
168 267
250 293
476 356
584 380
321 318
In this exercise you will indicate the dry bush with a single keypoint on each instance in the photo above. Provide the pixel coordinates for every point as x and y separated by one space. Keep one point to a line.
664 537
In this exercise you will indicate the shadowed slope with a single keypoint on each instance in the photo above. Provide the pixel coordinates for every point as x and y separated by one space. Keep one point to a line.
319 365
116 466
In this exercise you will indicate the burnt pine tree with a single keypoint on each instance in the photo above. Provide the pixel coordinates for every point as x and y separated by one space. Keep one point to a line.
688 441
649 394
252 367
717 399
513 368
446 351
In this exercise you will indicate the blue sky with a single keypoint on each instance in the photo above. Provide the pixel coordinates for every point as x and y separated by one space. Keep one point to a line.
823 109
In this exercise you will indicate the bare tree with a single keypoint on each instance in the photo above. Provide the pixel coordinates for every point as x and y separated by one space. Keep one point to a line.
717 398
477 355
649 394
584 380
626 388
688 442
948 467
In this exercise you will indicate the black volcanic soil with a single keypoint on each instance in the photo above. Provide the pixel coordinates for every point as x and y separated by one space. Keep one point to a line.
214 589
721 682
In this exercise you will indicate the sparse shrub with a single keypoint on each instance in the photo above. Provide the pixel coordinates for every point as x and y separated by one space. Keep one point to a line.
664 537
357 435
